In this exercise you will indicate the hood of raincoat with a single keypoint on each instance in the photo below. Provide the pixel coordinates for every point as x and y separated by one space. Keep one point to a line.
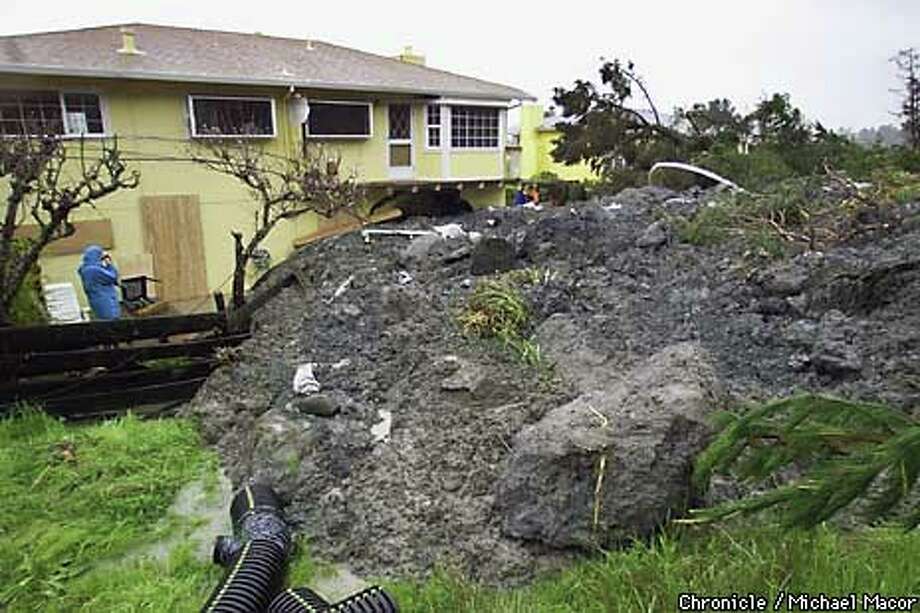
92 255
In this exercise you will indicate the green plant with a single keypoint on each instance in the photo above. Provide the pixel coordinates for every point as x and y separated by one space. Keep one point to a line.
497 309
851 451
803 213
710 560
81 497
28 305
756 170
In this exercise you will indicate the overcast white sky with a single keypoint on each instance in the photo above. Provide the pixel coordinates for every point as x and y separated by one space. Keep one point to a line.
831 55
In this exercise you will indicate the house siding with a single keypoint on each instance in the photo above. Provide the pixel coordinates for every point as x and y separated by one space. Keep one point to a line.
151 122
536 150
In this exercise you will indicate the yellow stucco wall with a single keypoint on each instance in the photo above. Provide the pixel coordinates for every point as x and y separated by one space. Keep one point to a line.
536 149
151 122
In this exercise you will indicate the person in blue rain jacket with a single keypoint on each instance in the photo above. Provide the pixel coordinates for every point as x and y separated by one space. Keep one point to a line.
100 280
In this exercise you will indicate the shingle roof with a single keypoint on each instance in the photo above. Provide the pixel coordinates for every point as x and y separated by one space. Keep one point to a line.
185 54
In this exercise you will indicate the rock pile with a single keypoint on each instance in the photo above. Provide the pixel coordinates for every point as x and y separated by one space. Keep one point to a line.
425 447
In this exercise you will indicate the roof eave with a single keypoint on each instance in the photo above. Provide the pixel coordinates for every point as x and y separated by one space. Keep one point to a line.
140 75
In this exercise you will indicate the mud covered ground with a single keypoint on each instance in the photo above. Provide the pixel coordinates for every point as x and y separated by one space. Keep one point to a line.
420 493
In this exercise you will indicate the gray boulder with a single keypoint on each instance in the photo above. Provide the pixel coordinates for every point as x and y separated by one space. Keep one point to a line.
835 354
655 235
614 463
491 255
322 405
419 248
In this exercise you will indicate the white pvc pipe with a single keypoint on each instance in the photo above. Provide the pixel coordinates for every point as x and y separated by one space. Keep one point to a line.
696 170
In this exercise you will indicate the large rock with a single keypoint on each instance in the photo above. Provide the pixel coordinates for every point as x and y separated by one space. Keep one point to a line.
568 346
614 463
655 235
492 255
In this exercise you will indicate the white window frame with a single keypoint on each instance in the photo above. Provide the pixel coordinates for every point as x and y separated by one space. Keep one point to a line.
66 134
439 126
370 121
499 141
193 128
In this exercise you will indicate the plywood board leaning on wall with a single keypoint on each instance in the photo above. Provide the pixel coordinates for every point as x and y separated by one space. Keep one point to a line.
173 234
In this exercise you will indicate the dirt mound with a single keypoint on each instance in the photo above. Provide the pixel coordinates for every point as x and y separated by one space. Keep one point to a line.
394 469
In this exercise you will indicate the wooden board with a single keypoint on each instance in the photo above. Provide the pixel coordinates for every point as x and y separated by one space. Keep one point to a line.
347 224
172 233
135 264
37 390
92 232
117 401
28 339
40 363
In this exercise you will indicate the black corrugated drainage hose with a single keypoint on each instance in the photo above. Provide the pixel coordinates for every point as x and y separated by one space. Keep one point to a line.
305 600
255 556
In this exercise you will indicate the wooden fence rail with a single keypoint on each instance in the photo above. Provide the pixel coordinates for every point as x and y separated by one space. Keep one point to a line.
104 367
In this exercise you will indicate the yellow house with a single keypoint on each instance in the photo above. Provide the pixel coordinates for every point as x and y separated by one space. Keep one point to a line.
399 125
538 135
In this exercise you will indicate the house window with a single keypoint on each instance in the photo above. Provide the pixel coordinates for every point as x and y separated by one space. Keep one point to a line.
433 123
49 112
83 114
339 120
221 116
474 127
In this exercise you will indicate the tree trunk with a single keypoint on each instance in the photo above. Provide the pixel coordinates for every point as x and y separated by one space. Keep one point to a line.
239 271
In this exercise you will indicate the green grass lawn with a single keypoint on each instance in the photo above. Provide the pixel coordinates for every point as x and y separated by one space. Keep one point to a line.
78 499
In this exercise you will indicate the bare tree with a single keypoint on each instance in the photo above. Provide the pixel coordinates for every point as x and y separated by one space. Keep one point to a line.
908 64
281 187
44 186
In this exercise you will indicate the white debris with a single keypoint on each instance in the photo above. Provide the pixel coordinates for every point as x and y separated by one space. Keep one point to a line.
343 363
341 289
451 230
475 237
304 380
613 206
381 431
404 278
367 234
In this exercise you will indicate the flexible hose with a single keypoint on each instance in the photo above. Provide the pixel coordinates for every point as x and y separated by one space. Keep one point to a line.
254 578
256 514
305 600
299 600
255 556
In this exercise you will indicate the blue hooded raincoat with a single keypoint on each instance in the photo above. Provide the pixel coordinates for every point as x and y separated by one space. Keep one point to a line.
99 283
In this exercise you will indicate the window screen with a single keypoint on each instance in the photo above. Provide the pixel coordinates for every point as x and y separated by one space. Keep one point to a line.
232 117
339 119
474 127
